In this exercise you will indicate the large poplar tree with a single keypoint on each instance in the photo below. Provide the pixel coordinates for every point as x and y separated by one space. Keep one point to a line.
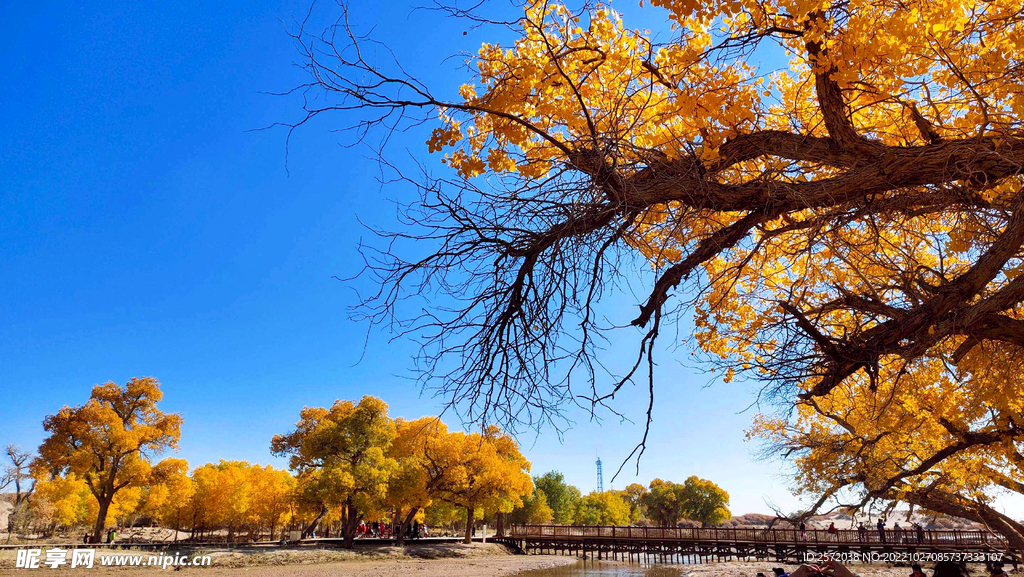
109 441
831 189
340 456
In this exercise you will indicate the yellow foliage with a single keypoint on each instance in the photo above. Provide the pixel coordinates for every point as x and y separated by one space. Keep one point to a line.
105 442
62 501
340 457
237 495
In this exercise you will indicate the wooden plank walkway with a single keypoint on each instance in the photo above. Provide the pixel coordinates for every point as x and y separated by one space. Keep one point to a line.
721 543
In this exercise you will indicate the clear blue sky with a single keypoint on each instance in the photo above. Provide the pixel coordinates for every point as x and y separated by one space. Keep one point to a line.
145 231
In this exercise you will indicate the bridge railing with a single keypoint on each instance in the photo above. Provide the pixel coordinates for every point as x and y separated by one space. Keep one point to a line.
903 537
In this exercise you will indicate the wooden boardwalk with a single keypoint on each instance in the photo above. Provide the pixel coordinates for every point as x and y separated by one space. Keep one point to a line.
681 544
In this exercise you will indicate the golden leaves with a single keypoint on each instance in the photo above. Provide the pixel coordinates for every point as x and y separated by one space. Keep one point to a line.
104 442
570 83
237 495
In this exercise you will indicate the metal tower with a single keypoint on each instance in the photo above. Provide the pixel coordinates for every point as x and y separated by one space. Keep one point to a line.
600 480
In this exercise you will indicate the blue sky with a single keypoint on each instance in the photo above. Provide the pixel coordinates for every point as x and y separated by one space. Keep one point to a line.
145 229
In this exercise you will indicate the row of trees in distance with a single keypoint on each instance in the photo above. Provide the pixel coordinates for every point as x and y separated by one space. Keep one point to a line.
664 503
349 463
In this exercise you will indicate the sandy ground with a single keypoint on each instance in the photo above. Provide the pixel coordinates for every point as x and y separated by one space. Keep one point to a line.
431 560
476 560
481 567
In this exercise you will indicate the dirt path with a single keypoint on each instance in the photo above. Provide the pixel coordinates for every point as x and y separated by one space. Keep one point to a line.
476 560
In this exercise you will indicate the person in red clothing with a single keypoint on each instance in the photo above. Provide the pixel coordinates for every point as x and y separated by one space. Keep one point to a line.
916 571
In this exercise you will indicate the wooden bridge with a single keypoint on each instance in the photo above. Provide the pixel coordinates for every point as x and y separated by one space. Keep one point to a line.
681 544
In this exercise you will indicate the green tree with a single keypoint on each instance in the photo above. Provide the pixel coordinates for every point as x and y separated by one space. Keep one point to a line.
562 497
441 513
534 510
664 503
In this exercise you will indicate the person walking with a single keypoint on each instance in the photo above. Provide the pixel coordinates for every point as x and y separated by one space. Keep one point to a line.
881 530
861 532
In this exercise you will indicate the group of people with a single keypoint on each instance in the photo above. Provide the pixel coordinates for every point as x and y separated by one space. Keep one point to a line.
382 530
111 536
899 534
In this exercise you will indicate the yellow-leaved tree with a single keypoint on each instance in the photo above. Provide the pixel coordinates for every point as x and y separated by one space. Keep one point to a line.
604 508
832 189
340 458
224 496
634 495
60 501
420 471
483 471
236 496
107 442
935 443
171 491
273 501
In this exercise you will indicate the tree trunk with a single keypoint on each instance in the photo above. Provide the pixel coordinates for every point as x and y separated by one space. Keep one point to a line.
499 530
470 513
312 524
350 524
946 503
101 519
405 524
